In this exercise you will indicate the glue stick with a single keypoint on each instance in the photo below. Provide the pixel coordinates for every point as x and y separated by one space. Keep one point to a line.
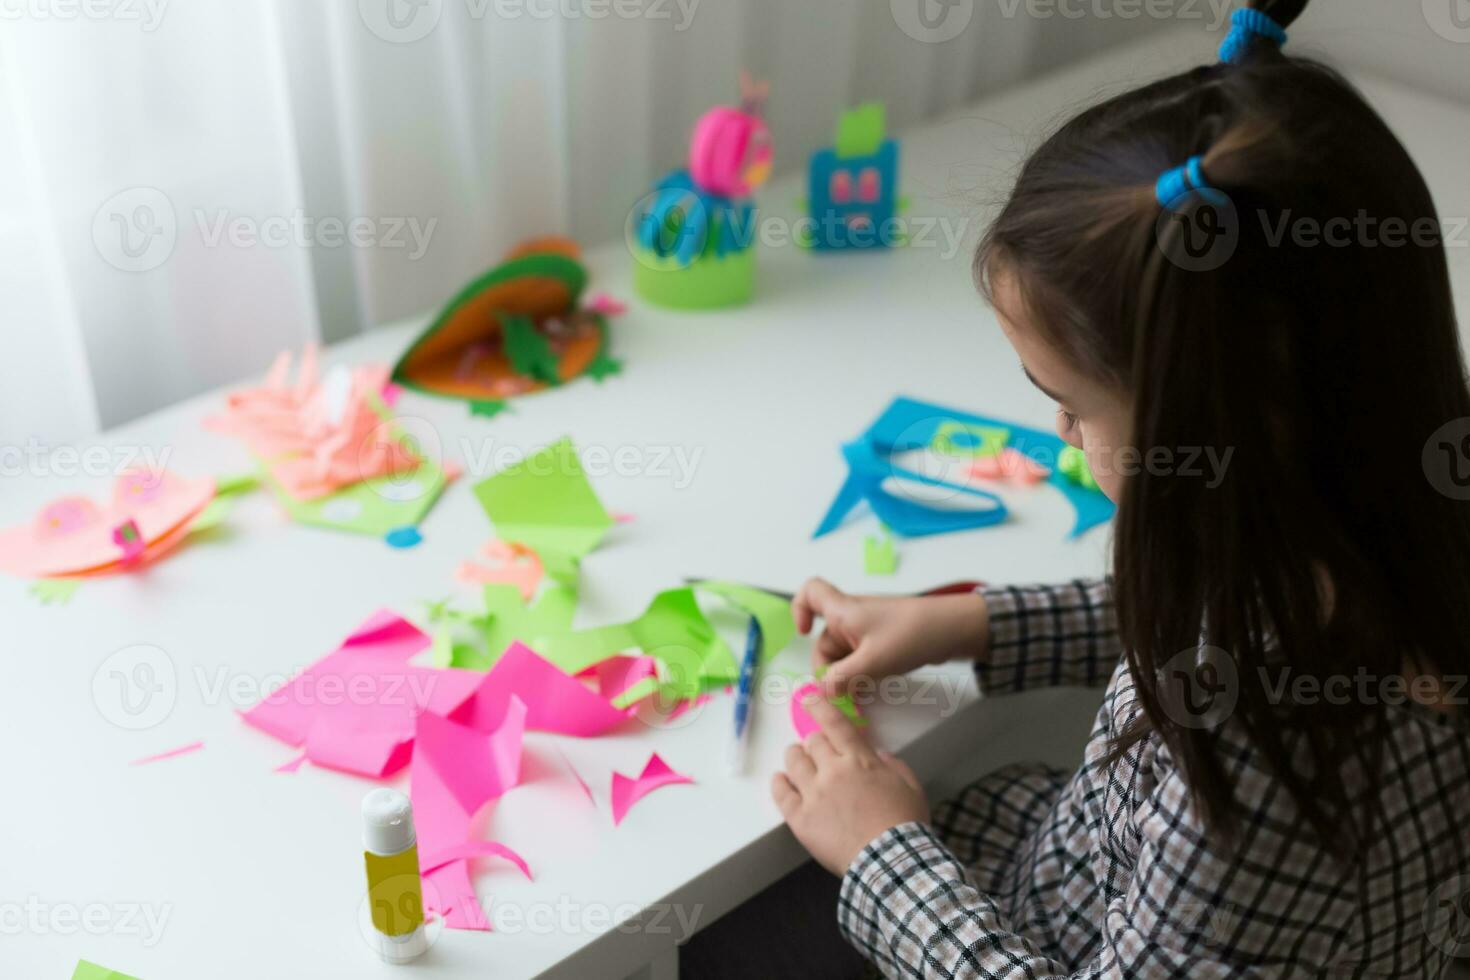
395 897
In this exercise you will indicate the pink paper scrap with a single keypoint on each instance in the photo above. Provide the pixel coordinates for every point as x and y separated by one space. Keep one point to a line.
625 791
171 753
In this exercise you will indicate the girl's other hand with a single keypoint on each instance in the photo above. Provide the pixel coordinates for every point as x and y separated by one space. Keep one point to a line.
882 636
838 794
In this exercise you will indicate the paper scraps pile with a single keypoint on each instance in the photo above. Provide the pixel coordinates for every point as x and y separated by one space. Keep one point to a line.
332 452
454 707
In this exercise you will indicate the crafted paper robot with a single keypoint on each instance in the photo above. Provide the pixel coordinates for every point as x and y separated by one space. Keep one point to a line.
694 236
854 185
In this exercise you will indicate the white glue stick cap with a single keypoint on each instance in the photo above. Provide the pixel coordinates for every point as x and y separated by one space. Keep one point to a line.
387 822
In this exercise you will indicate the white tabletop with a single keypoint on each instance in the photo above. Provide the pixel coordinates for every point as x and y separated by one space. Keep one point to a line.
213 865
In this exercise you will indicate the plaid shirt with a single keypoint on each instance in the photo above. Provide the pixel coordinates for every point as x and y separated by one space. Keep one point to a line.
1109 873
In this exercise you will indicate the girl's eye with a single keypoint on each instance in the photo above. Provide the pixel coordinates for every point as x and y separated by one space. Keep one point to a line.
1068 419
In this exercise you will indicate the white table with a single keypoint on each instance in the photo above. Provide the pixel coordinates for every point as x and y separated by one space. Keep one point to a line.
259 874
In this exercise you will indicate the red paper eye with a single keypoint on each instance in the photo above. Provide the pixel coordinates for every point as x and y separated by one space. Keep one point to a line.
841 189
870 185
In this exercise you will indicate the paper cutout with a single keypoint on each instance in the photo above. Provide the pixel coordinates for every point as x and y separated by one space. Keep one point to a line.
458 768
909 425
488 408
954 438
1072 464
55 591
473 849
404 537
545 503
517 329
773 613
673 630
316 437
805 724
515 564
373 507
293 765
507 619
73 536
91 971
1011 466
356 709
880 557
694 235
853 186
626 792
171 753
607 305
554 701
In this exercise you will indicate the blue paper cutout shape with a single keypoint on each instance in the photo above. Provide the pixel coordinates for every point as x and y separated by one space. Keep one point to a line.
908 424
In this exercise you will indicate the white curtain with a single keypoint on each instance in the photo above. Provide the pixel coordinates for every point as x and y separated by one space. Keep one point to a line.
188 186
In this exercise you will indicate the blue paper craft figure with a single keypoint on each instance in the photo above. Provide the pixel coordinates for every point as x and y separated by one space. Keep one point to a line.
854 185
908 424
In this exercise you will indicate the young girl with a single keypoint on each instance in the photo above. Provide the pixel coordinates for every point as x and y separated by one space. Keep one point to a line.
1276 784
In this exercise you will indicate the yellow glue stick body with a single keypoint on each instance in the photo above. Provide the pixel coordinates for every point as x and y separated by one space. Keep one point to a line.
395 896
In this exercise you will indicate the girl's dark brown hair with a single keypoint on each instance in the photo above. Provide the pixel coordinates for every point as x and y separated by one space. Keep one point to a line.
1324 369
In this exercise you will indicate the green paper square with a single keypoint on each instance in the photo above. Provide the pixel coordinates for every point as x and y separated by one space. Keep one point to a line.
545 503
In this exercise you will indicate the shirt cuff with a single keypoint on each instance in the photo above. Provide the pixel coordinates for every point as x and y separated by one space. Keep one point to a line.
877 895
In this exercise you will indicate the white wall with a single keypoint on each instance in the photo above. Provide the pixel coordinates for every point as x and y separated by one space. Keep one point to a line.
1424 43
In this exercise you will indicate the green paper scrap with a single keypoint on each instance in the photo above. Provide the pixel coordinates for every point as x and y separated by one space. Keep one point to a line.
528 350
955 438
227 486
643 689
1072 463
604 365
545 503
55 591
860 130
488 408
213 514
672 630
773 613
91 971
375 506
880 557
844 704
505 620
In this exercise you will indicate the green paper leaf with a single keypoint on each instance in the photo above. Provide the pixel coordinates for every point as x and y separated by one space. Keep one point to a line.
528 349
860 130
488 408
603 366
880 557
55 591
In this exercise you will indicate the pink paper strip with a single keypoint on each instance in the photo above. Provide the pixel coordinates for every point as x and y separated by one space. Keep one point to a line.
181 750
801 719
473 849
625 792
555 701
458 768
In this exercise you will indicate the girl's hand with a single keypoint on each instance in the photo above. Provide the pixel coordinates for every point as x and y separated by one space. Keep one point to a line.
837 793
881 636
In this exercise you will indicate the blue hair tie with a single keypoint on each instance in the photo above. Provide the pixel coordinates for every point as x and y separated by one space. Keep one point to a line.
1246 24
1174 184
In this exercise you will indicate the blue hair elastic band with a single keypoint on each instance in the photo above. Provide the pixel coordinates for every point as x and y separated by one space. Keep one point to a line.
1174 184
1246 24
